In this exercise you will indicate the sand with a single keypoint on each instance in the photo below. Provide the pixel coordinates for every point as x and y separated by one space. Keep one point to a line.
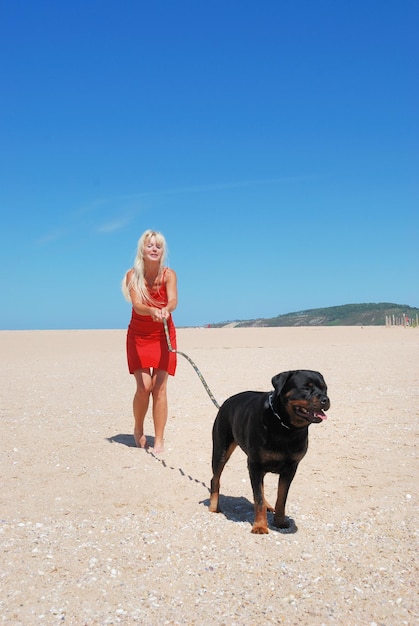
95 531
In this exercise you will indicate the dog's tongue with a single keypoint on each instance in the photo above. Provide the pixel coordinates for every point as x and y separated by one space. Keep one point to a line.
321 415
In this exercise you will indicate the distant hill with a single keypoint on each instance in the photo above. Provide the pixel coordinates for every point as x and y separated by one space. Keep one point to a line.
370 314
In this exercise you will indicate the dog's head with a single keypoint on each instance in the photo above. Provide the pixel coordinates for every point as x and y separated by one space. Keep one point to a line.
300 397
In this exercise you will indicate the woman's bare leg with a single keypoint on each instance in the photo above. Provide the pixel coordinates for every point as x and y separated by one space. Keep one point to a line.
140 404
159 391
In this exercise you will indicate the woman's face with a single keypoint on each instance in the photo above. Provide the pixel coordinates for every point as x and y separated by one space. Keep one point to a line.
153 251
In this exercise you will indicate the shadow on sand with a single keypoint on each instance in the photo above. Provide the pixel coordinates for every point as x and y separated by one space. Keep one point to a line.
240 509
129 441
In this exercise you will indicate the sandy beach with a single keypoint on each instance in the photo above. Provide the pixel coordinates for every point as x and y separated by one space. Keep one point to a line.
95 531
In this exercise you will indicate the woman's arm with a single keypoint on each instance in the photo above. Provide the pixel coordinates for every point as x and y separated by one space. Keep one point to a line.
171 289
139 307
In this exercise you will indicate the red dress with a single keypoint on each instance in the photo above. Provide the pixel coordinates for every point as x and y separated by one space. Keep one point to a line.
146 339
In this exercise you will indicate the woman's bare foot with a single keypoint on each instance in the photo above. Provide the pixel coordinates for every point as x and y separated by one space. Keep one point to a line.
158 447
140 440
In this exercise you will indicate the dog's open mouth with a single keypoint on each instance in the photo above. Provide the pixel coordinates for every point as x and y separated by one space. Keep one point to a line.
311 416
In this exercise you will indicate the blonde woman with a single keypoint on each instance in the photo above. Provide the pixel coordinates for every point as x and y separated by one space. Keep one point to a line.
151 287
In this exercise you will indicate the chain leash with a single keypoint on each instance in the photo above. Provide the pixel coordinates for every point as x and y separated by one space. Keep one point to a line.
202 379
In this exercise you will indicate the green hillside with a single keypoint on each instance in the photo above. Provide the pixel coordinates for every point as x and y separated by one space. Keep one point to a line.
369 314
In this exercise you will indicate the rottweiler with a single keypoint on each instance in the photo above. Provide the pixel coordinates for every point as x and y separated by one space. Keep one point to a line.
272 429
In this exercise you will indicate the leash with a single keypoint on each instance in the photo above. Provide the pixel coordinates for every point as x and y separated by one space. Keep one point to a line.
202 379
276 414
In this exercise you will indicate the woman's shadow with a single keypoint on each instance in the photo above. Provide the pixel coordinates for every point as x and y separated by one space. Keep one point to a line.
235 509
129 441
126 440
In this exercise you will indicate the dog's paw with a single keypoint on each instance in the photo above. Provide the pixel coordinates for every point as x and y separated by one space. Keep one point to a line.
260 530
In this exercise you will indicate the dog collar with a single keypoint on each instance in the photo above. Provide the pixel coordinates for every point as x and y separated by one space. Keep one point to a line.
276 414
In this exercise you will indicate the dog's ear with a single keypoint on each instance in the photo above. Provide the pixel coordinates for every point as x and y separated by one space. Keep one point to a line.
279 380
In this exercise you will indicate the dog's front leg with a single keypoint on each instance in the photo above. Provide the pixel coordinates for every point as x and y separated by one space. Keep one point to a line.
260 525
284 483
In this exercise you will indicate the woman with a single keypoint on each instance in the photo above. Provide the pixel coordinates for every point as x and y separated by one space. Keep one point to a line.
152 290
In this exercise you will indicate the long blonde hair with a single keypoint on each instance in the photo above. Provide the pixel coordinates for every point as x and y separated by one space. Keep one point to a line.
137 281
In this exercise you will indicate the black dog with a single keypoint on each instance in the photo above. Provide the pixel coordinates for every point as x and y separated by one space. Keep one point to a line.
272 429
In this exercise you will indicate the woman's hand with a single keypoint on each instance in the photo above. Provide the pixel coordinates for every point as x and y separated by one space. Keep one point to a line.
165 314
156 315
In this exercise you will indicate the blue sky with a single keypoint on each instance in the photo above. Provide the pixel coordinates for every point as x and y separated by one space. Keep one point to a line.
275 144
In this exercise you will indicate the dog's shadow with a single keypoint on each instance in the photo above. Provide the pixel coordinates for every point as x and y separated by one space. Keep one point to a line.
235 509
240 509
